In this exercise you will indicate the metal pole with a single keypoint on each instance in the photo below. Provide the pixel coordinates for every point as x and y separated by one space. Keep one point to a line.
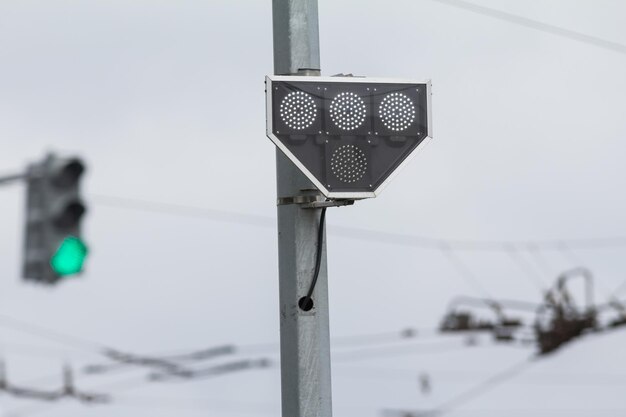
304 335
12 178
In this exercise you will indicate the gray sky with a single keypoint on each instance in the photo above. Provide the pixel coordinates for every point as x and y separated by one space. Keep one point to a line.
165 101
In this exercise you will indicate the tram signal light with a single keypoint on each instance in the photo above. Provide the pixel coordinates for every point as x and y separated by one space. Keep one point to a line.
348 135
53 246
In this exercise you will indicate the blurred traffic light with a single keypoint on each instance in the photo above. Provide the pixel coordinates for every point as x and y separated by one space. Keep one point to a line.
54 247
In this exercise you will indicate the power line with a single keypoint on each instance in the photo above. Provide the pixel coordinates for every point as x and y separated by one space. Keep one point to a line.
525 412
20 349
53 335
540 26
619 289
540 259
528 270
384 337
134 382
481 388
349 341
183 210
119 386
191 403
582 379
471 394
118 356
570 256
341 342
345 341
358 233
465 272
402 350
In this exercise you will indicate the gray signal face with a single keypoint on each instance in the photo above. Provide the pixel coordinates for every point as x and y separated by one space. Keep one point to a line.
347 135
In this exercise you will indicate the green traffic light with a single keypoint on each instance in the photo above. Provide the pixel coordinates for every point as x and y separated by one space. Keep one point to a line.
70 256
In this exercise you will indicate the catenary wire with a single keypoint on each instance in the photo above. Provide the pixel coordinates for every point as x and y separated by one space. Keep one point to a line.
576 379
200 404
363 340
618 289
535 277
53 335
540 260
477 390
570 256
526 412
126 203
362 234
402 350
8 348
483 387
536 25
116 388
367 235
465 272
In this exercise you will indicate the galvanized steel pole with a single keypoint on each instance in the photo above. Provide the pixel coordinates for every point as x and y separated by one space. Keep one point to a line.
304 335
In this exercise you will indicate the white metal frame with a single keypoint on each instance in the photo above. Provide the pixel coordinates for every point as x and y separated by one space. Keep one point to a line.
332 194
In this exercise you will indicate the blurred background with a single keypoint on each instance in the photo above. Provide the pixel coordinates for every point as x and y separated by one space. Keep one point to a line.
164 101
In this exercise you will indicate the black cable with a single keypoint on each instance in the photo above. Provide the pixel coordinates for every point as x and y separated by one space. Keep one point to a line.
306 302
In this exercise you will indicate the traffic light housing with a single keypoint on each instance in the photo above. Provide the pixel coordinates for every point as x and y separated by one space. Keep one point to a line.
348 135
53 247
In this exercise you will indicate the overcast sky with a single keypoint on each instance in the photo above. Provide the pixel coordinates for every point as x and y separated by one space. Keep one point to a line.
164 100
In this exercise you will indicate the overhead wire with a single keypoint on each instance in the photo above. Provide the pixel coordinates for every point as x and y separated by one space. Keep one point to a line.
52 335
200 404
540 260
446 246
570 256
536 25
577 379
350 340
618 289
483 387
182 210
527 270
132 383
384 337
465 272
119 386
8 348
525 412
343 342
410 240
367 341
401 350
